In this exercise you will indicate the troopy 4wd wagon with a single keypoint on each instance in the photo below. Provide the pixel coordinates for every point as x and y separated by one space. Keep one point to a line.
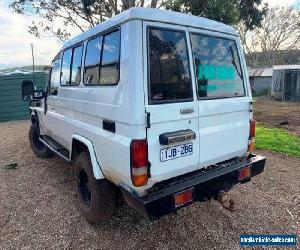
153 105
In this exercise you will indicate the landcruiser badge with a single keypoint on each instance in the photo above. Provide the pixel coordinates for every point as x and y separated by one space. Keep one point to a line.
177 137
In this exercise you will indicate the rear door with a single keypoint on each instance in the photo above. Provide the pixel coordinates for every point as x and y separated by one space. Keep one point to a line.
223 104
171 102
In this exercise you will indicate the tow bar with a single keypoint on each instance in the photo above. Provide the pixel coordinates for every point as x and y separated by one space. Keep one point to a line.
226 203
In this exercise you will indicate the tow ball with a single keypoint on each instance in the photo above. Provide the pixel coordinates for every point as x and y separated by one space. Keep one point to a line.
225 202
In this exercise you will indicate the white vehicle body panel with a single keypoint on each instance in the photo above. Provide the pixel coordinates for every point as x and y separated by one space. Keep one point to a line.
77 112
80 110
154 15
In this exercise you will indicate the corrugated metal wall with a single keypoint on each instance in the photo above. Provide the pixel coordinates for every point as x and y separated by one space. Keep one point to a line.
262 84
12 107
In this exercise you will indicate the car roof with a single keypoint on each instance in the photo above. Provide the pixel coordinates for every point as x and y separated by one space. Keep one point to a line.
157 15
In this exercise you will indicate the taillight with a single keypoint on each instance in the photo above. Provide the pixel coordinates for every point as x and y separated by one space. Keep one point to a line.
252 128
139 162
245 173
251 144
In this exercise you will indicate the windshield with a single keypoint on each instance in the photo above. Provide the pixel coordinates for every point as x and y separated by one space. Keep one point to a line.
218 68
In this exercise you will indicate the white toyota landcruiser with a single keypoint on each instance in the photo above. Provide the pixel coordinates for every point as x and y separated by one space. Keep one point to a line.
152 105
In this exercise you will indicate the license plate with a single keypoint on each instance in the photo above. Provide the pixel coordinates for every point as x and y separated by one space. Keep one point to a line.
171 153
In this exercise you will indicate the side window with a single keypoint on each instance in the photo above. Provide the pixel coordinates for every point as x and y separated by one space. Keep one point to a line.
169 69
76 65
65 68
109 70
92 61
54 78
71 66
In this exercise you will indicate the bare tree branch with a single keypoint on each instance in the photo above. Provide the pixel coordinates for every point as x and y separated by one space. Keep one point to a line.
279 31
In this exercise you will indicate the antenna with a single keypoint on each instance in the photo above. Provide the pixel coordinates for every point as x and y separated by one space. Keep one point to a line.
33 64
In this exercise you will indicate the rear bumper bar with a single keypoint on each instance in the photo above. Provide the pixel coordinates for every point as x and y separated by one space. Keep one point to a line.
206 185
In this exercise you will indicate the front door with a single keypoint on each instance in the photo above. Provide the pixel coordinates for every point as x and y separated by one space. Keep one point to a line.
48 120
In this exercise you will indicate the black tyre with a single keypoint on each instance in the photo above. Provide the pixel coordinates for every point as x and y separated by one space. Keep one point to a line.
39 149
96 198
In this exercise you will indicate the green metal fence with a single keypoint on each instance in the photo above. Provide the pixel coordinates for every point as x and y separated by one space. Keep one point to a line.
12 107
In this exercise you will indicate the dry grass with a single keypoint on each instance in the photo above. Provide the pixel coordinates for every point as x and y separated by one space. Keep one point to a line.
271 113
38 209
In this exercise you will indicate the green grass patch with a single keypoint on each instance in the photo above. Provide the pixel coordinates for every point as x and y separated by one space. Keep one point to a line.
277 140
264 92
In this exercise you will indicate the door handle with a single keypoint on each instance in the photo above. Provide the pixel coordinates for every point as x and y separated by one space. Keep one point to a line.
187 111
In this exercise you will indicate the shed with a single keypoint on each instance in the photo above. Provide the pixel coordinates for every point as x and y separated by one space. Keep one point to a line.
286 82
260 80
12 107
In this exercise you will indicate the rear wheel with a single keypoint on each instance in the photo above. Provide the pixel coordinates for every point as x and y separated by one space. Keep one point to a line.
39 149
96 198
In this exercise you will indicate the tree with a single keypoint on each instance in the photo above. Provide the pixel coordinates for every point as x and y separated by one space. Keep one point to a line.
81 14
279 33
228 11
84 14
250 44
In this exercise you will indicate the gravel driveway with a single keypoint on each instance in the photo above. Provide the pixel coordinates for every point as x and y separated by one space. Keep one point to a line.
38 208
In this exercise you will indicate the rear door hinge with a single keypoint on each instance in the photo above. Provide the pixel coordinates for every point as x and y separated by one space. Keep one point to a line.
251 106
148 120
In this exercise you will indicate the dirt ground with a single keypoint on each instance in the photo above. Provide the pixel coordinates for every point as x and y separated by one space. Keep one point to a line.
38 208
273 113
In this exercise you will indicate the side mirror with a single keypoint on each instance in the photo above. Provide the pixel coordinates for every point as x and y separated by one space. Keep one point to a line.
27 90
29 93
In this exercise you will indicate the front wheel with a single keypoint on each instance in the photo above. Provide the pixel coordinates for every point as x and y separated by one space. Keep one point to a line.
39 149
96 198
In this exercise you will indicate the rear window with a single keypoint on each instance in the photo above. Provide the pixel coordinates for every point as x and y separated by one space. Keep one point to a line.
169 70
218 68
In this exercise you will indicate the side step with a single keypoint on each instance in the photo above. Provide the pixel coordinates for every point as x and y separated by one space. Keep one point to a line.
55 147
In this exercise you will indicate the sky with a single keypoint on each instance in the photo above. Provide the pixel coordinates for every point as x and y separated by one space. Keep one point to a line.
15 40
